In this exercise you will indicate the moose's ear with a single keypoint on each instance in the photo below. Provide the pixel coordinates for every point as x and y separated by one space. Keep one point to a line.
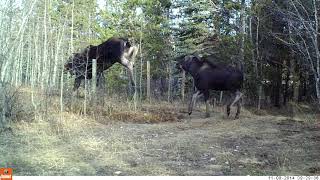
89 47
188 58
197 59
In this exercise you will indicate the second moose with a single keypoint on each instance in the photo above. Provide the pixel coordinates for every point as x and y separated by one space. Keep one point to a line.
210 76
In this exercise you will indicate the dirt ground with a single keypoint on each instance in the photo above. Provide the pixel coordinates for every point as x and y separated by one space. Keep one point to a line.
70 144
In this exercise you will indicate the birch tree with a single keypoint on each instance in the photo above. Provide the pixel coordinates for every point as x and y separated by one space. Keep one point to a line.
303 22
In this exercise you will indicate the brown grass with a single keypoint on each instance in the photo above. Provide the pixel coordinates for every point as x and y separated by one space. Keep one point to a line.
115 138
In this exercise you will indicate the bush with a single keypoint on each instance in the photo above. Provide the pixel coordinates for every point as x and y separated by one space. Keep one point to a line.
12 107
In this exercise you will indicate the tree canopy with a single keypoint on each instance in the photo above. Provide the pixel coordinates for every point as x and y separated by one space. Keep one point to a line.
278 41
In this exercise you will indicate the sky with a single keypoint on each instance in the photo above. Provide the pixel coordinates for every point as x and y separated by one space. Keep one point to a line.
101 3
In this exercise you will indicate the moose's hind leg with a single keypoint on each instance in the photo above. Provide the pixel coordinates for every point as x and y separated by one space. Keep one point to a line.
237 97
206 97
228 106
238 109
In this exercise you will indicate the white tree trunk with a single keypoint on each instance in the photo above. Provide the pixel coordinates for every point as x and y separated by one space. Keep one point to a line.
44 60
183 82
57 55
242 31
169 81
148 81
94 80
316 47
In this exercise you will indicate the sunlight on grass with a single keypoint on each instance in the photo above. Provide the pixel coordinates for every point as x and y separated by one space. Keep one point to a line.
117 140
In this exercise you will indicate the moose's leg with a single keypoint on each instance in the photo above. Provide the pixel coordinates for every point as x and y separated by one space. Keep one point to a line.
238 109
100 80
131 53
129 65
76 85
236 100
228 106
193 101
206 97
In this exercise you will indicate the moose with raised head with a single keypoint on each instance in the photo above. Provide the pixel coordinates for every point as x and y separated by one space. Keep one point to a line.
210 76
114 50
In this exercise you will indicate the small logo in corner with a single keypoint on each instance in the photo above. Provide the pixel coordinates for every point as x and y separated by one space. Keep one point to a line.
5 173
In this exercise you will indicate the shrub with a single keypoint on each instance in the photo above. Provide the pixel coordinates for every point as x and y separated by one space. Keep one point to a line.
12 106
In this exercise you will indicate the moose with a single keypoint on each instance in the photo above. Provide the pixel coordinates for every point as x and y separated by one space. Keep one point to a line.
210 76
114 50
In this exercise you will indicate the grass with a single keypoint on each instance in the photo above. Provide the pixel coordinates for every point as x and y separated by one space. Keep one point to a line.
116 139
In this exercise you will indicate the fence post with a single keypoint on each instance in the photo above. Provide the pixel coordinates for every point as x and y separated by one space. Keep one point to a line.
94 80
221 97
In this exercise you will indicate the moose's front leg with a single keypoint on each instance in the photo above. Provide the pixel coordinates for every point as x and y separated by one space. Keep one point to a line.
193 101
129 65
76 85
101 81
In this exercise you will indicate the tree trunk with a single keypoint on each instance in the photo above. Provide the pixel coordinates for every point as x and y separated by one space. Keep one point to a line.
286 88
19 35
94 81
242 31
318 90
259 96
257 58
277 87
183 82
141 71
169 81
44 61
141 63
56 56
317 51
28 65
72 22
148 81
300 87
61 93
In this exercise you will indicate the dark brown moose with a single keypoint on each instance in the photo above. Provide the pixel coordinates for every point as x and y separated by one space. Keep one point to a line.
210 76
108 53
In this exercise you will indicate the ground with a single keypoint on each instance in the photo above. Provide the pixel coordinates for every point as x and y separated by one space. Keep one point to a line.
73 144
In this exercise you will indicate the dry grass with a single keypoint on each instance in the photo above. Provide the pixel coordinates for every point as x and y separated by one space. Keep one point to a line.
117 139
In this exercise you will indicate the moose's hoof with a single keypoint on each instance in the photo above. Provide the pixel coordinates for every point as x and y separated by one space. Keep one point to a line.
236 117
207 115
189 113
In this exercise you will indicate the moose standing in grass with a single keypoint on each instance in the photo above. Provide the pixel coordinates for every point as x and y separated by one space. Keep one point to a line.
210 76
108 53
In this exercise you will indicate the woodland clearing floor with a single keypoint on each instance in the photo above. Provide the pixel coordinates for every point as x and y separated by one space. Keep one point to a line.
76 145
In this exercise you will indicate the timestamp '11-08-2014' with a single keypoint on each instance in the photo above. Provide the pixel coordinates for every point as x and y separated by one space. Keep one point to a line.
294 177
